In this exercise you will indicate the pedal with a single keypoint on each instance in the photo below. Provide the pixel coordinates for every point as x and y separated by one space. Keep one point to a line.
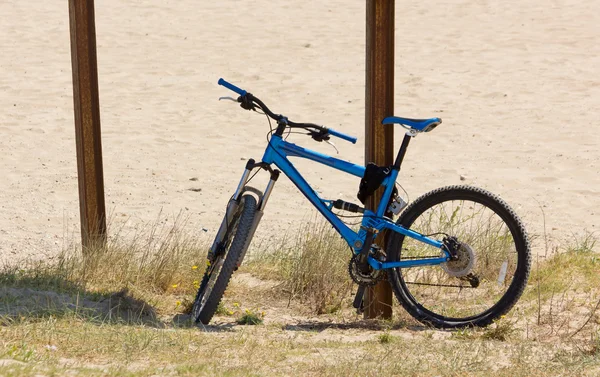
358 299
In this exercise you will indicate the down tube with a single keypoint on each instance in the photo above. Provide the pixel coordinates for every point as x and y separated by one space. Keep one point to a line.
288 169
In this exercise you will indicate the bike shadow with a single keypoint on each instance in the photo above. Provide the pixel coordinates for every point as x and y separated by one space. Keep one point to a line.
366 324
185 321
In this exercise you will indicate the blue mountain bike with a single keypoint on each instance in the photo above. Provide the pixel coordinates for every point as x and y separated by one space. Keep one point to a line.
457 256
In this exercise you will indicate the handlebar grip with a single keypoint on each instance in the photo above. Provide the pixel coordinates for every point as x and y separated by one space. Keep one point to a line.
232 87
349 138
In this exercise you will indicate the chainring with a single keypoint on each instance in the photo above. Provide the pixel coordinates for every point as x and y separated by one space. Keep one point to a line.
359 277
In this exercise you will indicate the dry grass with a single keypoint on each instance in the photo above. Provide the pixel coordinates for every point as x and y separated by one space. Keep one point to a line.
313 267
71 345
563 296
160 265
535 339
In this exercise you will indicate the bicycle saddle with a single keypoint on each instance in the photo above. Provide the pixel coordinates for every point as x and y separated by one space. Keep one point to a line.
420 125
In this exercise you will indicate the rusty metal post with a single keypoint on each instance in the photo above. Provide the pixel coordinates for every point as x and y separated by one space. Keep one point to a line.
87 123
379 103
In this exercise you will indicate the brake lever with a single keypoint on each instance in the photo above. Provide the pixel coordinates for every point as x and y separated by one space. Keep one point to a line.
318 136
333 145
323 136
246 102
228 98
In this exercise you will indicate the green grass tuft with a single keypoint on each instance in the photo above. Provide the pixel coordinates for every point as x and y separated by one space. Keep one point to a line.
385 337
250 318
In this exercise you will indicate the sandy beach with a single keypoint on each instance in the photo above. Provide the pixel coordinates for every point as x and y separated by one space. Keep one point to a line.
517 85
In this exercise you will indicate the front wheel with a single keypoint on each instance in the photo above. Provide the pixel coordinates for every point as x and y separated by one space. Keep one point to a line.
492 264
219 271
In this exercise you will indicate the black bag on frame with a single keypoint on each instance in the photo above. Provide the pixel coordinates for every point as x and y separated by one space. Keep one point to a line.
370 182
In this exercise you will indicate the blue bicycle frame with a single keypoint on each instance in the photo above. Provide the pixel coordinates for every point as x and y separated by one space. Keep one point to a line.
277 153
279 150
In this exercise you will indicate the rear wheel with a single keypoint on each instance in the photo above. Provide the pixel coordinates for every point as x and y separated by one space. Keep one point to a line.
219 271
492 265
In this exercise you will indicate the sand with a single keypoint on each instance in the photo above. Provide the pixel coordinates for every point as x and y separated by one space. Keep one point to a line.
516 83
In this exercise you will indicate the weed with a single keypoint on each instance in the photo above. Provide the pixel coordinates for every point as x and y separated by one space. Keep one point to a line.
501 330
186 306
385 337
464 334
251 318
583 244
222 309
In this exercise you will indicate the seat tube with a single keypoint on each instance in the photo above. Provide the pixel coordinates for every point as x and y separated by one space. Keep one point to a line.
387 194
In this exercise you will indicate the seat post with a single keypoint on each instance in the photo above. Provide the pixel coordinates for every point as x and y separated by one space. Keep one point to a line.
400 157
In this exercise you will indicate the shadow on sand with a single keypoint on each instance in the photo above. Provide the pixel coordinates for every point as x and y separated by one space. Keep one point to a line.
24 296
371 324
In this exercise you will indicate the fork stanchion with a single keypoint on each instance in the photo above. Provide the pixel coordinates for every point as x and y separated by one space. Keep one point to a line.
379 103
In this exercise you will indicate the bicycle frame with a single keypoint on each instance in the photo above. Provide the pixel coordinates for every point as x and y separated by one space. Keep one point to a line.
277 153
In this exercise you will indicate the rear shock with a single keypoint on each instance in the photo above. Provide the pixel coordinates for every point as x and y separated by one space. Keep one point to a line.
346 206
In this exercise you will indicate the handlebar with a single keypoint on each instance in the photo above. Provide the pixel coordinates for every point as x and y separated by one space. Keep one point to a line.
232 87
335 133
248 101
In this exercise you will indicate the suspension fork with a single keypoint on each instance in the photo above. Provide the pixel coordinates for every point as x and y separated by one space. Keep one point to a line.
238 191
263 198
232 207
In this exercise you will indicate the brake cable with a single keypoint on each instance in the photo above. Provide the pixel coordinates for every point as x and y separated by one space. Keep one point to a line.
316 132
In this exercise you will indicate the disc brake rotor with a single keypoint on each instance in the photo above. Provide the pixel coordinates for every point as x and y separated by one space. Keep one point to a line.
464 264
